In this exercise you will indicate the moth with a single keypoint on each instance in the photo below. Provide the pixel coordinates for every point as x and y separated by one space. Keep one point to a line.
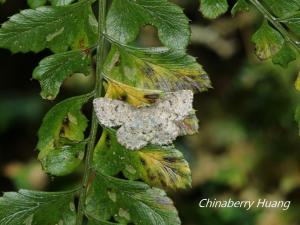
158 124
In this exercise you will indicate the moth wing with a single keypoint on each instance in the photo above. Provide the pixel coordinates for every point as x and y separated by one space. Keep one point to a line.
177 105
112 113
165 133
132 139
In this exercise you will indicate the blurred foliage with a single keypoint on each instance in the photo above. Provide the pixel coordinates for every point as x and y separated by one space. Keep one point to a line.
247 147
27 176
18 108
248 144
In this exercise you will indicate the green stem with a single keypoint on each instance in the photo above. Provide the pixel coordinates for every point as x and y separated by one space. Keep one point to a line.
275 23
94 124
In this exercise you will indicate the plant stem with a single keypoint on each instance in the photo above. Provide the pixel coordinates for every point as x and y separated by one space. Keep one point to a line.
275 23
94 124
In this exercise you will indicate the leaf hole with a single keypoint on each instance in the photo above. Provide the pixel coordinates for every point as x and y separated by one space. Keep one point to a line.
148 37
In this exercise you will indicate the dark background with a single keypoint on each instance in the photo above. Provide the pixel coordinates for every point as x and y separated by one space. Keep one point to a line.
248 144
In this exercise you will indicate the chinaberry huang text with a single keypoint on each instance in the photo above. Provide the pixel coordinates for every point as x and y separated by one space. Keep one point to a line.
260 203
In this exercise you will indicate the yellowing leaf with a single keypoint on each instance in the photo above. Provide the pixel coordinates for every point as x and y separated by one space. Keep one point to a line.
155 69
164 167
268 41
134 96
158 166
59 121
73 126
61 136
297 83
190 125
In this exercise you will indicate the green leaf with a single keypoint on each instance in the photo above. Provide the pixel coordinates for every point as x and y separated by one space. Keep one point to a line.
283 8
292 22
61 135
56 28
61 121
37 208
109 156
240 5
126 17
100 222
268 41
284 56
130 201
156 165
54 69
211 9
155 69
294 19
36 3
64 160
61 2
2 1
287 12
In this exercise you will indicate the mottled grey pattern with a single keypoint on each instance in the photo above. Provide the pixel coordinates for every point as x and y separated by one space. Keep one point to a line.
157 124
